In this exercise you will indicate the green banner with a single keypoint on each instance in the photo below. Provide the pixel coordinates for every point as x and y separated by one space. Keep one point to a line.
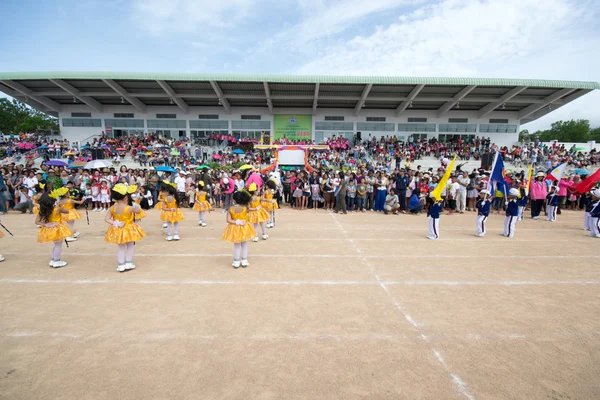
294 127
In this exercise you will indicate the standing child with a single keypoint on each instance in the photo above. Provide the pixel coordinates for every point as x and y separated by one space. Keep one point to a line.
256 214
40 189
238 230
68 204
595 214
483 206
87 195
104 196
171 213
588 203
512 213
315 194
552 199
434 218
269 203
52 227
351 194
201 205
522 203
123 231
96 195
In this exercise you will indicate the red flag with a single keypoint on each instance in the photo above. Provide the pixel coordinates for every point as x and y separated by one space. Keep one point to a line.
585 185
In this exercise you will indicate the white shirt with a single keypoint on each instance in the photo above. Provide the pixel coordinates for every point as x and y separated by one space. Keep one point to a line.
180 182
454 188
464 180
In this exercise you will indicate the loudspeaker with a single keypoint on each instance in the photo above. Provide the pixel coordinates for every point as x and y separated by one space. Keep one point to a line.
359 135
486 161
97 154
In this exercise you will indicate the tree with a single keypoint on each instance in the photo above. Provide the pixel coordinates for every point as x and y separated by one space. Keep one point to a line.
595 135
16 116
571 131
524 136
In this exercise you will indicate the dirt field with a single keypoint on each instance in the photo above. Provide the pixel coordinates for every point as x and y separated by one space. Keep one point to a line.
332 307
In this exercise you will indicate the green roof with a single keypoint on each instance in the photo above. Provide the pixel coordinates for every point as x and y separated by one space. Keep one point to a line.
378 80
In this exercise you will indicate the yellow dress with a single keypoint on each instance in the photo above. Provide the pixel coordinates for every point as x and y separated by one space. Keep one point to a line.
160 203
130 232
58 233
238 234
171 216
201 204
257 216
142 214
267 205
36 206
72 215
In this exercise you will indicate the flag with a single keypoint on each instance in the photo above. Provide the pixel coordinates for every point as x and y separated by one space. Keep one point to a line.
497 180
437 192
558 172
587 184
529 176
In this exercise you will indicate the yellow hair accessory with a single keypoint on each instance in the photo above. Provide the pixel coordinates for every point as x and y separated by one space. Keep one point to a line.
201 183
252 187
42 185
120 188
60 192
170 184
132 189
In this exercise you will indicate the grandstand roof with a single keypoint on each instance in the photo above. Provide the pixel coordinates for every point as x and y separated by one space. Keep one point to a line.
530 98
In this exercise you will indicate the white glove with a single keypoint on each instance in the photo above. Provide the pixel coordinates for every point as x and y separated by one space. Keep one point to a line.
51 225
136 208
240 222
258 208
118 224
506 203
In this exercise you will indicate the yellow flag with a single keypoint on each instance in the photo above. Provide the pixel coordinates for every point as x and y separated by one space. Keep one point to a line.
437 192
529 175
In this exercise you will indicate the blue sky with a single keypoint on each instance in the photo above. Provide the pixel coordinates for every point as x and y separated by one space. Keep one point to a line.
553 39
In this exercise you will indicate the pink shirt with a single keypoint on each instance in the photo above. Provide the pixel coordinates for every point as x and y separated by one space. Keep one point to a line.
563 185
254 178
538 190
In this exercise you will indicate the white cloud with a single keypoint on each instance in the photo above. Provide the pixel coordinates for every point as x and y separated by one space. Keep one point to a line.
190 16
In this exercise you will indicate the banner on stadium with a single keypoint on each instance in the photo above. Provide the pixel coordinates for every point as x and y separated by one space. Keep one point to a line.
294 127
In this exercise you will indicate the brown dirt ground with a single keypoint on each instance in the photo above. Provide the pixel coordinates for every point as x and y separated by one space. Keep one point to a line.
358 306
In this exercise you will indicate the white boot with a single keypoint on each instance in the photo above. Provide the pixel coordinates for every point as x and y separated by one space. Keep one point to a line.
129 266
235 264
265 236
255 239
245 263
121 268
58 264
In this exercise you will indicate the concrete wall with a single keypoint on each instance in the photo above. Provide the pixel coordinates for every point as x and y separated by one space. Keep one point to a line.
588 145
82 133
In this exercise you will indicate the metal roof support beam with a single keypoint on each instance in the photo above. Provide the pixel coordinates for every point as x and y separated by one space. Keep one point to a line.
221 97
503 99
316 98
77 94
413 93
555 106
124 94
461 95
363 97
527 111
169 90
24 99
51 104
268 93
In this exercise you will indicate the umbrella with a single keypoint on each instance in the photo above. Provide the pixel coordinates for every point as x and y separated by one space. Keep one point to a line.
217 156
580 149
238 151
245 166
43 147
98 164
164 168
174 153
203 167
121 149
111 141
69 153
76 164
580 171
56 163
85 146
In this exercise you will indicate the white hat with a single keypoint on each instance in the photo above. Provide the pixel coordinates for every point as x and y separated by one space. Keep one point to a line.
596 193
226 180
540 174
513 192
484 191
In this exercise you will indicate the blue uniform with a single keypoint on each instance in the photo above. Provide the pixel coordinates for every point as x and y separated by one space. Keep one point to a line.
588 203
435 210
522 201
483 207
552 200
512 209
595 212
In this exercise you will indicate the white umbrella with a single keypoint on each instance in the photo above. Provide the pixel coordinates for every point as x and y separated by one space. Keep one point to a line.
98 164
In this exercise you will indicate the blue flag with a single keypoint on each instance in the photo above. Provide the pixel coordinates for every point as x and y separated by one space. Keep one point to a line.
497 181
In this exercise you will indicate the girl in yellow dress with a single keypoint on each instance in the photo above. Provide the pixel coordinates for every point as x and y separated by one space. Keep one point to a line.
123 231
171 213
53 229
69 218
256 213
269 203
201 205
160 203
40 189
239 231
135 198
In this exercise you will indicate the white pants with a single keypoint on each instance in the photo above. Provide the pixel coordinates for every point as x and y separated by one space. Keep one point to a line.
587 221
481 225
509 226
461 204
521 211
595 226
434 227
551 211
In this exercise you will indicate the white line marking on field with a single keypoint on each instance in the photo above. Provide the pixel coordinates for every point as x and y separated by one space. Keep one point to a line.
292 283
460 385
301 256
